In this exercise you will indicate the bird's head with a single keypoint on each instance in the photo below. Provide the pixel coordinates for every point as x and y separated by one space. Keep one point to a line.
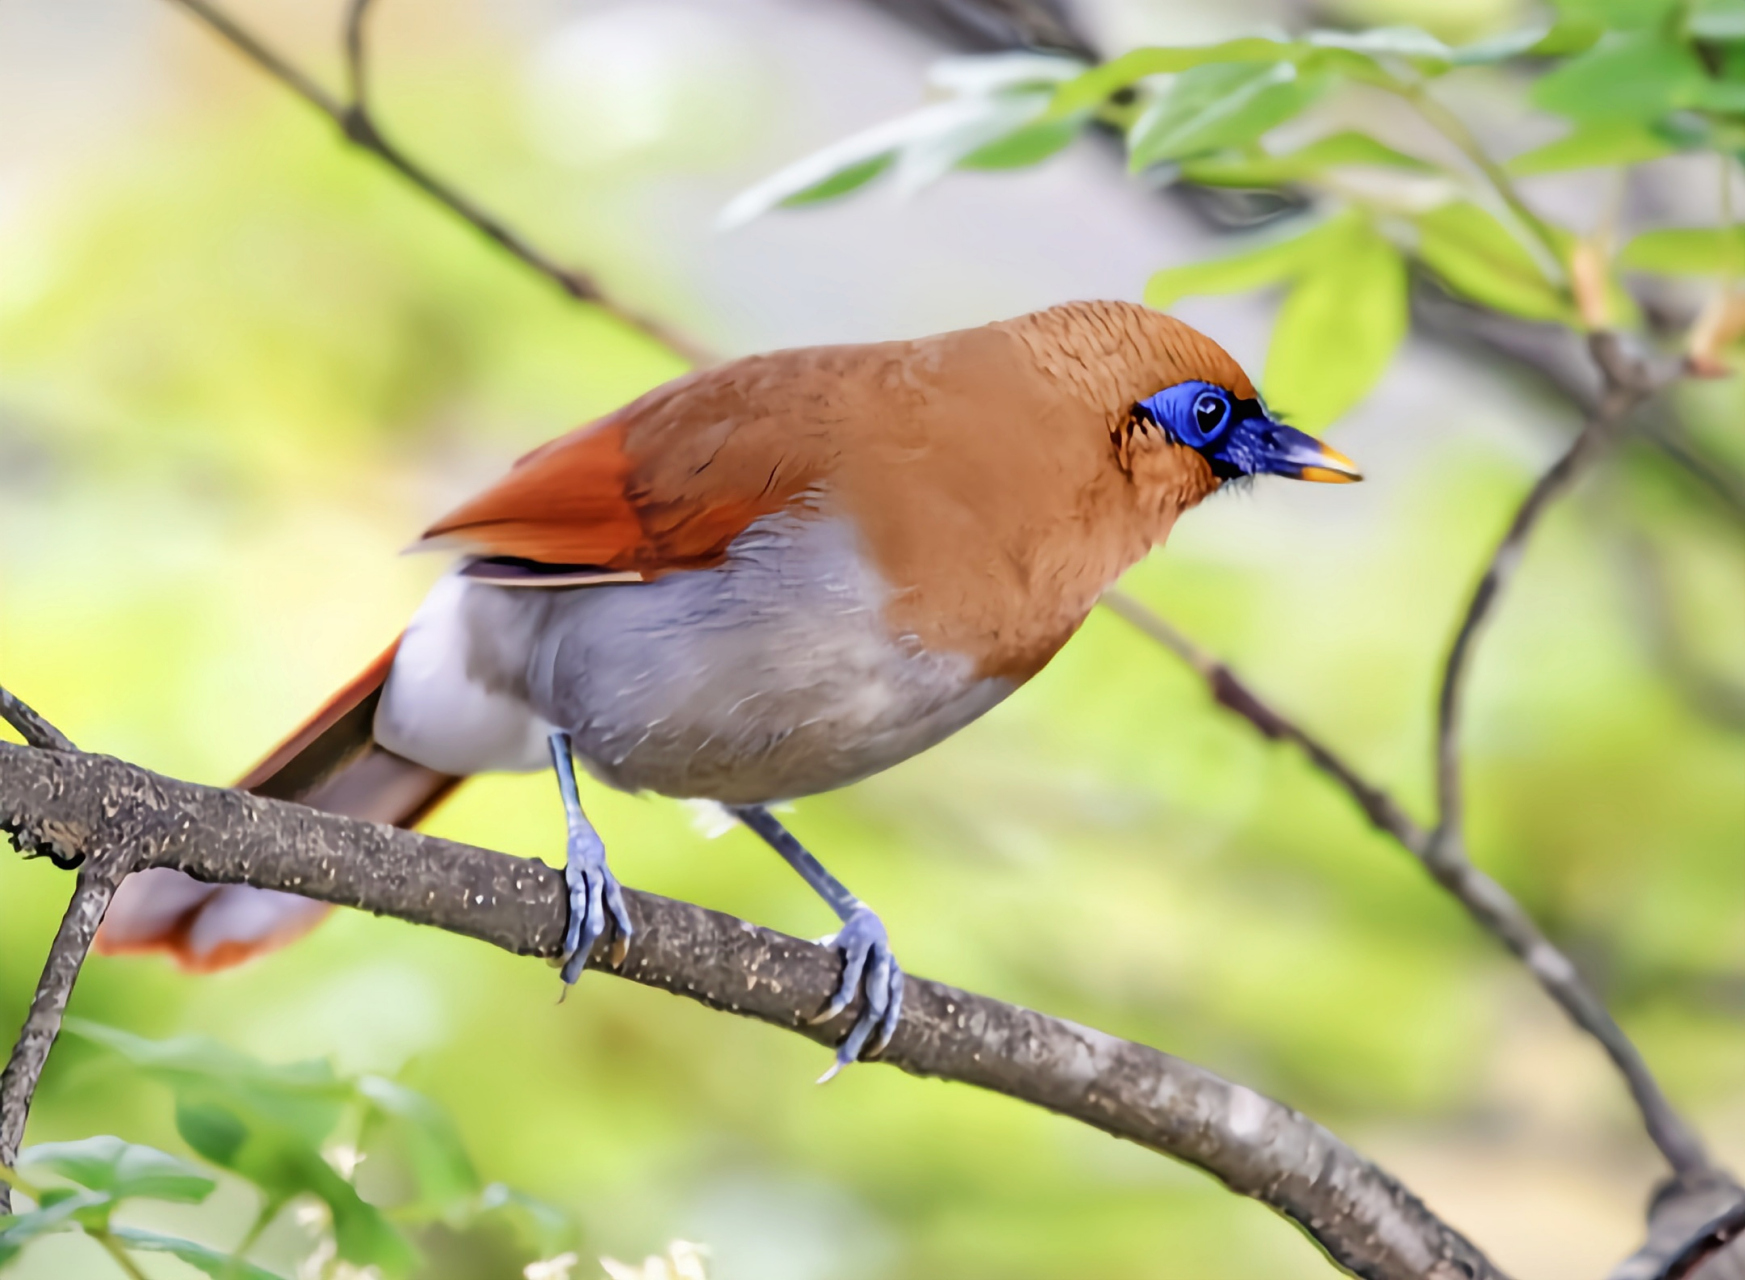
1234 435
1183 416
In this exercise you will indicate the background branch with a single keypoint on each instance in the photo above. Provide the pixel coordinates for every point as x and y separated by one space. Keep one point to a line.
1442 850
81 805
359 126
994 24
356 68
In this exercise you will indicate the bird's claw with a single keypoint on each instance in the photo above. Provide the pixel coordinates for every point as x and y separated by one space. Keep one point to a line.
593 893
867 965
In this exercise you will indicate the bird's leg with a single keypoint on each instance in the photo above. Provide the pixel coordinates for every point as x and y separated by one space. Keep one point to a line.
593 888
866 950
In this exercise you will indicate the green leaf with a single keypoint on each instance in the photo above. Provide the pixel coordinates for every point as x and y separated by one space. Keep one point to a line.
220 1266
1619 15
1687 251
985 74
1726 96
59 1214
841 182
1634 77
426 1137
1266 264
1338 328
283 1164
985 122
1001 129
1093 88
547 1227
1214 107
120 1168
304 1097
1559 39
1589 146
849 163
1477 257
1718 20
1339 150
265 1123
1411 44
1029 145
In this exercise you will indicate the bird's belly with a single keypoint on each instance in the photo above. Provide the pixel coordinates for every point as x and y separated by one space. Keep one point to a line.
769 677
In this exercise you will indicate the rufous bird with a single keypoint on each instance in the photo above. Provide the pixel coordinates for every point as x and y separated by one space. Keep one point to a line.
762 581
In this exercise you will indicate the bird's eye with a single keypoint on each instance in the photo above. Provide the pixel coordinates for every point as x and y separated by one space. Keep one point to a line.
1210 412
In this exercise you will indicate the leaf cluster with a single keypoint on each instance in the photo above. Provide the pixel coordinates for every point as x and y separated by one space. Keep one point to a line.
1633 80
278 1129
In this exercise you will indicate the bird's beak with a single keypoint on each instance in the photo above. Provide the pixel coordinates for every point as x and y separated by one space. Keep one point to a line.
1285 451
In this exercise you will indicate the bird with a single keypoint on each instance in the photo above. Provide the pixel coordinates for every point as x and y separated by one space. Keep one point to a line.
761 581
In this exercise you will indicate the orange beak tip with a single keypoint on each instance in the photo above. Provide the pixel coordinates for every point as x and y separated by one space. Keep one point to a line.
1332 467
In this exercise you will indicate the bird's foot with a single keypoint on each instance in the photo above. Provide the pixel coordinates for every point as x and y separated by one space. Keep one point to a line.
594 893
869 967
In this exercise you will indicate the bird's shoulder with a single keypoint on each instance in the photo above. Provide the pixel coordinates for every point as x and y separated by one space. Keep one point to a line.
670 480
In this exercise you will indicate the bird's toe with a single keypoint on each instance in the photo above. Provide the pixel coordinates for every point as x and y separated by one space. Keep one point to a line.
868 969
593 892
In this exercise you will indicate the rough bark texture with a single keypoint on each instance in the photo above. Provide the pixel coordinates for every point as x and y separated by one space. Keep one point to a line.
77 805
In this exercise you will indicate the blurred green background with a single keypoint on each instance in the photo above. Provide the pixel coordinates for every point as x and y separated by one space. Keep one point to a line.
240 368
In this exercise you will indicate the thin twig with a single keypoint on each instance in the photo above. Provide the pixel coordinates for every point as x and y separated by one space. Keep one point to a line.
360 127
1688 1228
118 1252
356 68
1452 127
98 878
1626 387
1231 692
1442 850
1486 901
32 727
1360 1215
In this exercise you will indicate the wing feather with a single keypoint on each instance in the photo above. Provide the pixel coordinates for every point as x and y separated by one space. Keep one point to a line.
664 484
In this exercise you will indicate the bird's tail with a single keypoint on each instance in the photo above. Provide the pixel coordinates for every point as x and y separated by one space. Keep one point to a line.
332 763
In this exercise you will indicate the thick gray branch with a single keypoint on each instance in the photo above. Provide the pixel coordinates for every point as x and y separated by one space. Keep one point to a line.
1365 1220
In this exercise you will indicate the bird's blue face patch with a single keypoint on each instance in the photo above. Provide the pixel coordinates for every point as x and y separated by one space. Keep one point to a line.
1237 438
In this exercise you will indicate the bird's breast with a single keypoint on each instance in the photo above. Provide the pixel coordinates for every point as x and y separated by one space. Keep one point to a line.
776 674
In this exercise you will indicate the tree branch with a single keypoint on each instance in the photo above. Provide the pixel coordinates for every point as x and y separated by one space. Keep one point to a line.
1628 382
31 727
1442 850
1702 1210
99 874
358 124
78 805
1627 385
1043 23
1689 1228
1231 692
356 68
